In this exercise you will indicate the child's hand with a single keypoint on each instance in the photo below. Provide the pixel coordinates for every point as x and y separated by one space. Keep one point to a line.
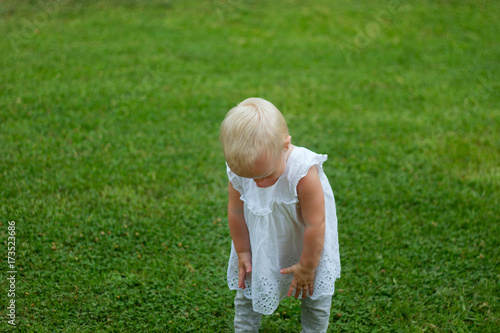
303 280
245 266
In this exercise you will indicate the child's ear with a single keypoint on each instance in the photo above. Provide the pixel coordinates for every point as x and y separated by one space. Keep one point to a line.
287 143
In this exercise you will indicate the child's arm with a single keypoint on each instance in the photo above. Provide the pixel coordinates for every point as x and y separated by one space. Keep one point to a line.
239 234
312 204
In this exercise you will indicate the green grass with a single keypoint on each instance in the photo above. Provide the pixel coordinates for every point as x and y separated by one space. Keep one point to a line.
111 168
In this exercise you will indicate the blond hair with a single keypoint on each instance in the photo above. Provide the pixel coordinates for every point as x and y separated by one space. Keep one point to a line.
253 129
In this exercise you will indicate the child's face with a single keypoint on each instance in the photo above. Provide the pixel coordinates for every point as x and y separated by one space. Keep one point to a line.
268 170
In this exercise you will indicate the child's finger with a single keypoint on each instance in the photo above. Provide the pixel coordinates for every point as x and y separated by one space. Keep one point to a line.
241 277
292 288
311 289
304 291
246 268
297 292
287 270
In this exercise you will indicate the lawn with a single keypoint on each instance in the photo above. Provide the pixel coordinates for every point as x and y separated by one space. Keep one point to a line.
112 170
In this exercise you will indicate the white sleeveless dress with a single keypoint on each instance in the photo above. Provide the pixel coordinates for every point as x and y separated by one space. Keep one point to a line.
276 229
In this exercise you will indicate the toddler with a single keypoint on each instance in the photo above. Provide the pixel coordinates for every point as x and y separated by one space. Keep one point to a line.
282 219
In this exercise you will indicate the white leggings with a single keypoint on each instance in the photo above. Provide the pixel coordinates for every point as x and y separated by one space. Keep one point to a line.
314 314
